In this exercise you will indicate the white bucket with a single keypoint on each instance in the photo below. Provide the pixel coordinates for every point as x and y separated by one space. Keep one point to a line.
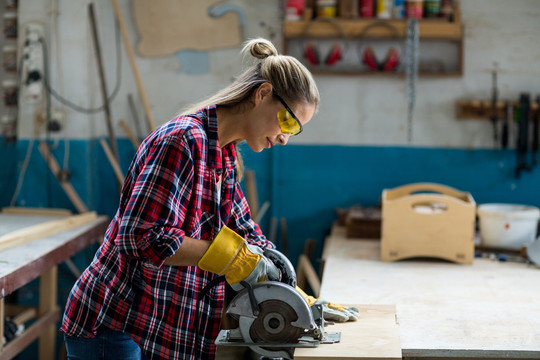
507 225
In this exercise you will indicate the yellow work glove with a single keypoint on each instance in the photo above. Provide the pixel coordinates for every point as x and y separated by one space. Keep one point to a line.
331 311
230 255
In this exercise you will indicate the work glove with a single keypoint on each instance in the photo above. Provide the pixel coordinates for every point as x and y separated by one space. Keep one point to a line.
230 255
331 311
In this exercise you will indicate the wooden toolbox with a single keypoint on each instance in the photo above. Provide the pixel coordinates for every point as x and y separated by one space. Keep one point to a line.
427 220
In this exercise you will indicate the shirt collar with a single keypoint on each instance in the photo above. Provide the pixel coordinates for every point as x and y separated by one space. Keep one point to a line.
217 157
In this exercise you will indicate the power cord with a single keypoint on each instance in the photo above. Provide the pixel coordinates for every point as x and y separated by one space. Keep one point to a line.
69 103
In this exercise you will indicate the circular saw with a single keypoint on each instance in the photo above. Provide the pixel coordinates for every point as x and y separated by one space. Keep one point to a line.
274 318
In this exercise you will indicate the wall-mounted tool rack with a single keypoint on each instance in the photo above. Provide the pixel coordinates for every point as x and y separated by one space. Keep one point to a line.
483 109
440 33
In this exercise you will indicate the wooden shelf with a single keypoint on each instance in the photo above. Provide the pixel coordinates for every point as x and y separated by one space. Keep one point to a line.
355 30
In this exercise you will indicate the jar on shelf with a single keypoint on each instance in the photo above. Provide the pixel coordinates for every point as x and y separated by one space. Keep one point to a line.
432 8
414 9
326 8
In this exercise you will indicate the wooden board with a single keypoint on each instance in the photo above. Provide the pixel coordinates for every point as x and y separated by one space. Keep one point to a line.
487 309
374 336
167 26
11 238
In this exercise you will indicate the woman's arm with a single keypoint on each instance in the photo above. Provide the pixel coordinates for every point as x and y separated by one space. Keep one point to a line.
189 253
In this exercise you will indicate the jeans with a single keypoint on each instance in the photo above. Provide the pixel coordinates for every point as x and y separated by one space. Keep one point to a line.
107 345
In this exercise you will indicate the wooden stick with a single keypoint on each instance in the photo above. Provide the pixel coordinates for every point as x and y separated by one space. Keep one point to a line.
131 135
48 228
306 272
36 211
135 115
113 162
252 196
66 185
131 56
103 83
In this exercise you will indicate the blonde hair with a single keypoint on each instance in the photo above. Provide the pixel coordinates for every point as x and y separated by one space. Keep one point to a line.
289 78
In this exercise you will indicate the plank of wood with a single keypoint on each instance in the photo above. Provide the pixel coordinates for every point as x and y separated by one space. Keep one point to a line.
66 185
374 336
36 211
306 275
48 228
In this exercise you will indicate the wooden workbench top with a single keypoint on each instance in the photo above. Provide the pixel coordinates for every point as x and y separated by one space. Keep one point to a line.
485 310
21 264
374 336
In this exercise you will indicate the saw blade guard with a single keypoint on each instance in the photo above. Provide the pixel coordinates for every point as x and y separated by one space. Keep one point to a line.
272 290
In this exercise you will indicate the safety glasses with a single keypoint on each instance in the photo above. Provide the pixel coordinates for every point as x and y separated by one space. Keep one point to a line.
288 122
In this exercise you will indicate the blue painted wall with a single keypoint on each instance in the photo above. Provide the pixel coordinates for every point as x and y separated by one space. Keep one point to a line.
304 183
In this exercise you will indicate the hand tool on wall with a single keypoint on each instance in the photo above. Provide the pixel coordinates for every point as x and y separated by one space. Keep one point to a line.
523 134
506 126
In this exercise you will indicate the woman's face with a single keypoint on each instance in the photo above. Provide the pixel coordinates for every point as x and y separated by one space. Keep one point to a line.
264 130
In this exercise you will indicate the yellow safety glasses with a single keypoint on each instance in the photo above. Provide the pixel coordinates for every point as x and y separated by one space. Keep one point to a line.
288 122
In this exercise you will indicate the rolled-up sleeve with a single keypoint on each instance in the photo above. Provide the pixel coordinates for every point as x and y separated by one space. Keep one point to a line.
154 211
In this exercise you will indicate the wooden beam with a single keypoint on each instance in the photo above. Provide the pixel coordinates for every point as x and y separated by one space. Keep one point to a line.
48 228
48 285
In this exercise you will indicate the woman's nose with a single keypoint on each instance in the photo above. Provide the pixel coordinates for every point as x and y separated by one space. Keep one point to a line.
284 138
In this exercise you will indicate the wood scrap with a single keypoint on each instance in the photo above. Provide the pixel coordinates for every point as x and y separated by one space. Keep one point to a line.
36 211
251 190
113 162
131 135
66 185
30 233
306 275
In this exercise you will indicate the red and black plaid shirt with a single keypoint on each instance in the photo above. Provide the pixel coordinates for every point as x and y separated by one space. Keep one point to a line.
170 192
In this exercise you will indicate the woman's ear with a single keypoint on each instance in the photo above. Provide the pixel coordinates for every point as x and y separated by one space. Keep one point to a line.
263 91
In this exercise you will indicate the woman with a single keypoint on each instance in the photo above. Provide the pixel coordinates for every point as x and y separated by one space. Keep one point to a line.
183 220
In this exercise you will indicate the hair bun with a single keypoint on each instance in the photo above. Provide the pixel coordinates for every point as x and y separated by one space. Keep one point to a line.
260 48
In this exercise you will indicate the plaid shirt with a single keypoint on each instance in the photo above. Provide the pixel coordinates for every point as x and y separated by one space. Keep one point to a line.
170 192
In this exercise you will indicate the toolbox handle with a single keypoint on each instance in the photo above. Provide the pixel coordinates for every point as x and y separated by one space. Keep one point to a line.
401 191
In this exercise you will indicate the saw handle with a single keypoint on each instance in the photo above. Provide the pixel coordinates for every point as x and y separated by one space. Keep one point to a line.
288 275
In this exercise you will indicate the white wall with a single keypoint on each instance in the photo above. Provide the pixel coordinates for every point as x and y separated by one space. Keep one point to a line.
355 110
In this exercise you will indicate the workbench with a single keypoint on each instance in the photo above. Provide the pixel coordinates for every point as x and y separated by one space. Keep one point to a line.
39 259
487 310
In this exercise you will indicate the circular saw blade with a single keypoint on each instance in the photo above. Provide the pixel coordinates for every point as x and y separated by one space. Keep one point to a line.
273 324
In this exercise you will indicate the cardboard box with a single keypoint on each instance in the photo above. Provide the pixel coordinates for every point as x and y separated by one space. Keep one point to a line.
428 220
